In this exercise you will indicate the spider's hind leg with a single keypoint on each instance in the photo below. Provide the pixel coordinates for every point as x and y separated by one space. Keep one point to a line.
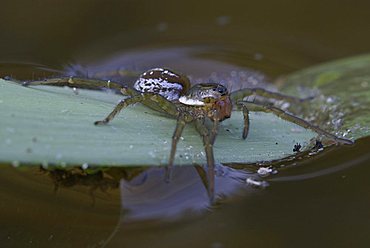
82 83
258 107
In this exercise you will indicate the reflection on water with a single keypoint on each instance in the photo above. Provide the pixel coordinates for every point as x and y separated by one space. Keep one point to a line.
104 200
115 206
145 195
148 196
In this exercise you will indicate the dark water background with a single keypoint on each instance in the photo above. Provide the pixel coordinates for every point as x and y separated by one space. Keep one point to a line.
322 201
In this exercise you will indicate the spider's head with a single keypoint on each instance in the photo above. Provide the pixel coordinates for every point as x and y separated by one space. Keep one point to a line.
202 94
213 98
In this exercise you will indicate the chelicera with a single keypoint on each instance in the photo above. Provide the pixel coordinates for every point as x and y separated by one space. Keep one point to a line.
169 92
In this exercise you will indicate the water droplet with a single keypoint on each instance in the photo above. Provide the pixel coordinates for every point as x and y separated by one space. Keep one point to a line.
152 154
330 100
44 164
264 171
296 130
285 106
364 84
189 147
10 129
16 163
59 156
256 183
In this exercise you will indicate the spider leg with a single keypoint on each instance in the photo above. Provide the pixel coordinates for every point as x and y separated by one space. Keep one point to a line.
246 122
148 99
296 120
175 139
214 130
122 104
82 83
202 175
241 94
208 147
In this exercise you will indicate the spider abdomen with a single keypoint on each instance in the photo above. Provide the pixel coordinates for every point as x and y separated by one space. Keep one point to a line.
163 82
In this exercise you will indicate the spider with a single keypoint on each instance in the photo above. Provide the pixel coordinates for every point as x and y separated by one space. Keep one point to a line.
169 92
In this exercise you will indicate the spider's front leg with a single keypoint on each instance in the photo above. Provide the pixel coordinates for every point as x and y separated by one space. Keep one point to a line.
296 120
151 100
121 105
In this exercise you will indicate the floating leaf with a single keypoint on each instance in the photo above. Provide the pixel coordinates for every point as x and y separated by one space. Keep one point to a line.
342 91
54 125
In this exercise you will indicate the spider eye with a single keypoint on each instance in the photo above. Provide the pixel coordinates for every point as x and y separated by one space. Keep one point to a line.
222 90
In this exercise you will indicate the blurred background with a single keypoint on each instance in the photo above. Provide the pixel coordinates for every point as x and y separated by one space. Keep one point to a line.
45 38
273 37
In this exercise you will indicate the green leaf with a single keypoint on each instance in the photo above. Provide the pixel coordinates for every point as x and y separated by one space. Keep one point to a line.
54 125
342 100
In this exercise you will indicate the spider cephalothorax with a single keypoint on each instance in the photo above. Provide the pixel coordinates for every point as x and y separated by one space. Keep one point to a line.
213 98
169 92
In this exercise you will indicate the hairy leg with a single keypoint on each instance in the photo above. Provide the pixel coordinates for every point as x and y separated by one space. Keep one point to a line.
148 99
208 147
296 120
121 105
241 94
246 122
214 130
82 83
175 139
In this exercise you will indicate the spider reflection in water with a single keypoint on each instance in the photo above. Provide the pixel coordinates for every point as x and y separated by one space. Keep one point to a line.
169 92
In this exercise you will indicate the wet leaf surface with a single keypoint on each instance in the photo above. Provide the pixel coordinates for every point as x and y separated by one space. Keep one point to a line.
342 94
53 125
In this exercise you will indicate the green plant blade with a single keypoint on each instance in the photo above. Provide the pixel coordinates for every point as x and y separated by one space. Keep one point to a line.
55 125
346 86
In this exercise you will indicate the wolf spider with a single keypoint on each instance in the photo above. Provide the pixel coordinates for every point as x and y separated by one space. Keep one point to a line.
166 91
